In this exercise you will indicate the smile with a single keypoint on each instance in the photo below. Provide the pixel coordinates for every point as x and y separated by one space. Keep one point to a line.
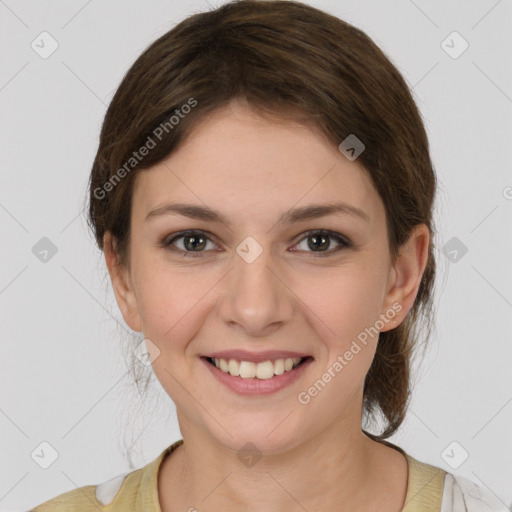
263 370
249 378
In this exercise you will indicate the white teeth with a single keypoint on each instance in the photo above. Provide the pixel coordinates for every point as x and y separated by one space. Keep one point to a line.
247 370
263 370
233 367
224 366
279 367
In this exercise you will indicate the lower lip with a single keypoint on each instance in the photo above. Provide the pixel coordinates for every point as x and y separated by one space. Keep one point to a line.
257 386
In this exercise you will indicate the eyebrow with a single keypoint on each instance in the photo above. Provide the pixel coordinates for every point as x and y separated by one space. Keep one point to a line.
308 212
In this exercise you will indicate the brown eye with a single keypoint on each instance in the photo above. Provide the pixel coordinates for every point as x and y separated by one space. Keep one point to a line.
193 242
320 242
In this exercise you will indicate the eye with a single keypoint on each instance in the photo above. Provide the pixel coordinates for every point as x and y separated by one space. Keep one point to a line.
194 242
320 240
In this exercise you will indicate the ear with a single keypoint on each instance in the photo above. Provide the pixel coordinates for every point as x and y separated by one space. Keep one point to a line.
122 284
405 275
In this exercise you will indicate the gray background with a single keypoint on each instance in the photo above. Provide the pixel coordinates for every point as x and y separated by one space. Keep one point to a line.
63 379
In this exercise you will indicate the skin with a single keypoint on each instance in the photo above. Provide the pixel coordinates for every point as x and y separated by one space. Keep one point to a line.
314 456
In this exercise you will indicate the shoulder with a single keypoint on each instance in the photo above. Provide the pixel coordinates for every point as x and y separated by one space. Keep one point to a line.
136 491
114 493
463 495
431 488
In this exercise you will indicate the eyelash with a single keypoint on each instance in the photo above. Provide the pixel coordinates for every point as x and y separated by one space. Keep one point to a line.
345 243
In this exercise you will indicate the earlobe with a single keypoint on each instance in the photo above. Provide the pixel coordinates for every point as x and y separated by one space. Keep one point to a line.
407 273
122 284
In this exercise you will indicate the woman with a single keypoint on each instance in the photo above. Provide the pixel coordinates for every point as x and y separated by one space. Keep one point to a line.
263 193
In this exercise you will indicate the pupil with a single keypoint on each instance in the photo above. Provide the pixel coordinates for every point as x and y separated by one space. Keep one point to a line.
194 239
319 242
316 238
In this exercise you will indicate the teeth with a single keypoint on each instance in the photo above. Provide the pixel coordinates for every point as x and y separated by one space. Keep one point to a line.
233 367
263 370
248 369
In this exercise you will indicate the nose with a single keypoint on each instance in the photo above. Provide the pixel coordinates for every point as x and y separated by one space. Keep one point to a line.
256 298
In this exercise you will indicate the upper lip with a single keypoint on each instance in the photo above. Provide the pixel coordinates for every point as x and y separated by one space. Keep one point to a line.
255 357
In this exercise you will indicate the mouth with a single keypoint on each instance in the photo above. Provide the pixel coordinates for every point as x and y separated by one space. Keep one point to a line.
248 378
250 370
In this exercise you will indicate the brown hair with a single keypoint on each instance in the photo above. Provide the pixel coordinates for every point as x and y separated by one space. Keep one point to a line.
290 60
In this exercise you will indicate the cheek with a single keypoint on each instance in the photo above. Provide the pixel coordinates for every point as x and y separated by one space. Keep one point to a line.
342 303
343 310
172 304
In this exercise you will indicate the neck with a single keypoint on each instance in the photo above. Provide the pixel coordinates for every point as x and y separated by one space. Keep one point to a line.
330 471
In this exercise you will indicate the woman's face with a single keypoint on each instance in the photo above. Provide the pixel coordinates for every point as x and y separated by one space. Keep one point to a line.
254 283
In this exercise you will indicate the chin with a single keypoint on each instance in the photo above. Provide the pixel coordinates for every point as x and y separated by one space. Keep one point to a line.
269 436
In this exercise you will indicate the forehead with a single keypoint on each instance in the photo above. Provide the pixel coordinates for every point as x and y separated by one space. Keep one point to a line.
239 163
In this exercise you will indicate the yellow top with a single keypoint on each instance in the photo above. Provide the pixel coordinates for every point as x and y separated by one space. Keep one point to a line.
138 491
